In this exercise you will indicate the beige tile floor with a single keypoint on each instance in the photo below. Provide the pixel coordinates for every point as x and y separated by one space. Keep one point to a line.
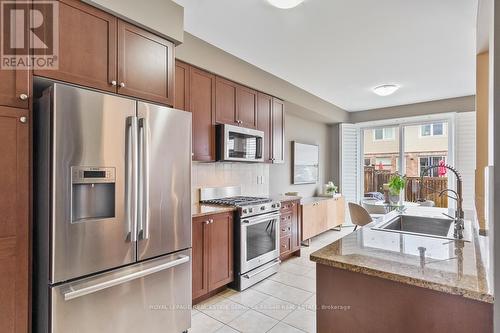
284 303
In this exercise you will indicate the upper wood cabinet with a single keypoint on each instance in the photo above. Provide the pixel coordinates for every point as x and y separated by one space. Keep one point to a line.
264 123
235 104
98 50
195 93
87 47
225 101
271 120
212 262
14 220
246 107
278 131
202 106
145 65
15 88
181 92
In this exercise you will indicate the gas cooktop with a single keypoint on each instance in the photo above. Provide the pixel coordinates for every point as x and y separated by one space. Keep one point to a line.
238 201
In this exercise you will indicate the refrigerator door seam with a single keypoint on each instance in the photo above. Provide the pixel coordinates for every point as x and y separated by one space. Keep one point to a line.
132 175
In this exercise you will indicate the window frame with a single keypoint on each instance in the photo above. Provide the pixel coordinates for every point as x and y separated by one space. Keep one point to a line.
384 137
431 133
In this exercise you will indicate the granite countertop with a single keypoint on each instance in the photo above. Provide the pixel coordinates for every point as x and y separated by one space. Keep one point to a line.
204 210
453 267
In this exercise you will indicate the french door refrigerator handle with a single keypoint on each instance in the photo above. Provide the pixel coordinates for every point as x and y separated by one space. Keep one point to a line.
73 291
131 181
144 178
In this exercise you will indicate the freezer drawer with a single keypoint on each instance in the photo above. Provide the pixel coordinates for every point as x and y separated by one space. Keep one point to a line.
153 296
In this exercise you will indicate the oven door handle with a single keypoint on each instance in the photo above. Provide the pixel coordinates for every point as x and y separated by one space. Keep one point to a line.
260 219
249 276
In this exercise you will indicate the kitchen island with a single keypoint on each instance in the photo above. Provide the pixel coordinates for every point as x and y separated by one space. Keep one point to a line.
380 281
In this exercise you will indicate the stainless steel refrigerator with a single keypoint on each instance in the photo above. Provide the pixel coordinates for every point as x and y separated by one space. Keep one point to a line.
112 222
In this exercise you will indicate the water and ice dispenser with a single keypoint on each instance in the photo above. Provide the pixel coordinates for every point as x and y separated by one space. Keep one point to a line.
93 193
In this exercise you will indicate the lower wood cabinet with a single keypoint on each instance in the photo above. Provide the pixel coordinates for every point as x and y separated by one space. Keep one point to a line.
320 215
290 230
212 263
14 220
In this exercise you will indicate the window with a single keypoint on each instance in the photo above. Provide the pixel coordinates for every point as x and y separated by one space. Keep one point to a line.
427 161
380 134
436 129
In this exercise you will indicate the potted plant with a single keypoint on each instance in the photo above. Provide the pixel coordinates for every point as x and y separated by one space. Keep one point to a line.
397 184
330 188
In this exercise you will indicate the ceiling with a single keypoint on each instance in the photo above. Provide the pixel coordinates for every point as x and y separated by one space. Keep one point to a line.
339 50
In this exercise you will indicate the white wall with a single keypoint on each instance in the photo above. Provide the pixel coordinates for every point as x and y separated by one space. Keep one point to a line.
304 131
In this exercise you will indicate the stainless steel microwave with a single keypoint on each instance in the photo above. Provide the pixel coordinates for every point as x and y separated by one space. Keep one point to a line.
239 144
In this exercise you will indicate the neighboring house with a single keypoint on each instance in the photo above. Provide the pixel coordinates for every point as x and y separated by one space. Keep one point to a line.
425 145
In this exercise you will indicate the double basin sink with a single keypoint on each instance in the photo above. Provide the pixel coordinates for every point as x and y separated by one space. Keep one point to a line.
422 226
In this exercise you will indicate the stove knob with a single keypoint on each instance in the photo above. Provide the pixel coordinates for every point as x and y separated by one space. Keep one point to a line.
262 207
250 210
274 206
245 211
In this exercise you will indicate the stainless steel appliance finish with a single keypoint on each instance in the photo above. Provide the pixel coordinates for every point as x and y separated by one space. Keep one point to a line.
211 193
139 298
112 188
256 233
165 183
88 130
423 226
259 241
239 144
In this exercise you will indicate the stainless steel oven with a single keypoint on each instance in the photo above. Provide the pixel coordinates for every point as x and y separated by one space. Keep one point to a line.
239 144
259 242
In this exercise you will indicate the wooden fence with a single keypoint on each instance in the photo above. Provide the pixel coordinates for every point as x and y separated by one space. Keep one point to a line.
375 180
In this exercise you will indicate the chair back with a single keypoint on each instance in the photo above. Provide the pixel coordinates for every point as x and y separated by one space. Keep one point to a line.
359 215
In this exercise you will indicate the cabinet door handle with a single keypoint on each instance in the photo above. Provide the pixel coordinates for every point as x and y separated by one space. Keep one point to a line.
122 84
23 119
113 83
23 97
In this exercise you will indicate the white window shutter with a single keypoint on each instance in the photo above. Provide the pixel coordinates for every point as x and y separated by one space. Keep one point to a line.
465 148
349 165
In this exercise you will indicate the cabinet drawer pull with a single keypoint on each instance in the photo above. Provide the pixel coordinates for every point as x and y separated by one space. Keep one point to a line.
23 119
113 83
23 97
122 84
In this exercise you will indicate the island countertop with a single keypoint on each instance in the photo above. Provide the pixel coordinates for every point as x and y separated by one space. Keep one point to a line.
454 267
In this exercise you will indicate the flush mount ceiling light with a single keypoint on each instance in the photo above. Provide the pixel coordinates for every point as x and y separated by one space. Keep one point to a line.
285 4
385 89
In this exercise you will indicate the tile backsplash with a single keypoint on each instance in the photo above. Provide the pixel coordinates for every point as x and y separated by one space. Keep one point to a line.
253 178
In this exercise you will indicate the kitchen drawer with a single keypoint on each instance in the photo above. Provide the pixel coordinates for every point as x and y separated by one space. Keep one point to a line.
288 206
285 244
285 229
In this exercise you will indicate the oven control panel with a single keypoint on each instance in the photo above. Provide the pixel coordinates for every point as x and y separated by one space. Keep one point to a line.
258 209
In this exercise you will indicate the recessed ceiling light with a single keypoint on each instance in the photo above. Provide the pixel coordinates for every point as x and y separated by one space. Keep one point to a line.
285 4
385 89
